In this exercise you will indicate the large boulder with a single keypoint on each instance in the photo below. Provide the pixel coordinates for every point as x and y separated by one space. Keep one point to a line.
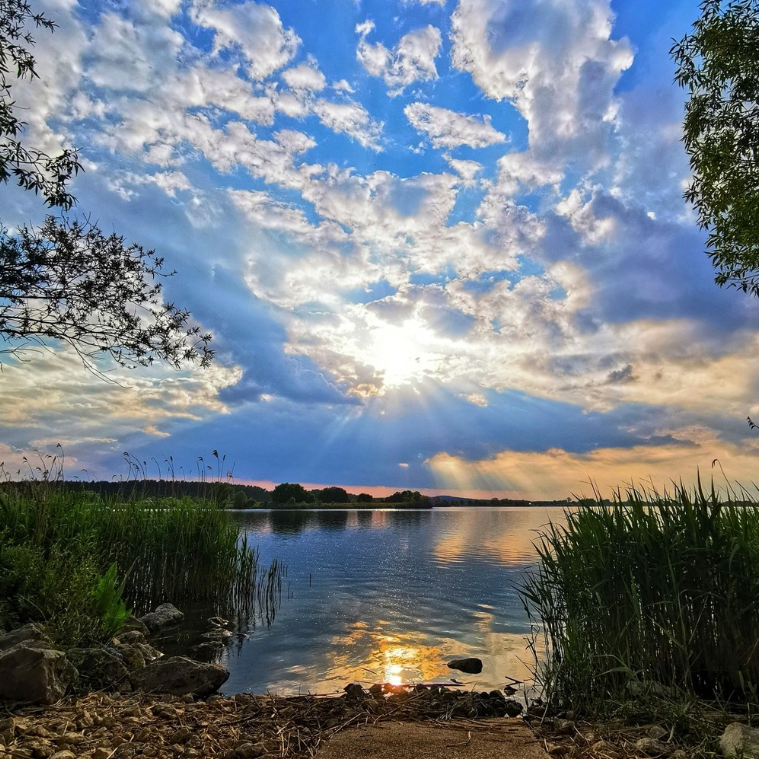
31 633
179 676
163 616
740 740
33 673
471 666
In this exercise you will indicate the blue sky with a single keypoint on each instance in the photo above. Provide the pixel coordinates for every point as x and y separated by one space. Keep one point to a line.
440 245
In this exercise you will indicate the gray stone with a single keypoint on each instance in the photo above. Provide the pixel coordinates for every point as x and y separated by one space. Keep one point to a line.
131 636
134 624
179 676
148 652
31 633
34 673
471 666
218 634
740 740
131 656
163 616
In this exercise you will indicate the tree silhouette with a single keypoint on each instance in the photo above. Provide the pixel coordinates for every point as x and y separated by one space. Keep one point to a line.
67 281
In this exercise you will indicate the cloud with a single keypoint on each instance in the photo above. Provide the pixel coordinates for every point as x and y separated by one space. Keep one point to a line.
255 29
305 77
556 62
449 129
351 119
125 57
412 59
558 473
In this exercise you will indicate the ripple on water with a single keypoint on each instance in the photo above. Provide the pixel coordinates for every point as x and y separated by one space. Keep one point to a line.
392 595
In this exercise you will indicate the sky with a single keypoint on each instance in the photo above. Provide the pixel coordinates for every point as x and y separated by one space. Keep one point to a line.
440 244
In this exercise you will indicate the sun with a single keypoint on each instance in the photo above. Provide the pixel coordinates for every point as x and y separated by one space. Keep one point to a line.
403 354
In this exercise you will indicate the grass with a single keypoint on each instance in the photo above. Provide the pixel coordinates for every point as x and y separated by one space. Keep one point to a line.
57 547
656 589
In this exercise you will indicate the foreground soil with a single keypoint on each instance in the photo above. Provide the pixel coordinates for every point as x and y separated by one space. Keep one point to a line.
111 726
432 723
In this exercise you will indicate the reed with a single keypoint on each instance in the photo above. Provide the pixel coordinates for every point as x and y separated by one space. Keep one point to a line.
165 549
659 589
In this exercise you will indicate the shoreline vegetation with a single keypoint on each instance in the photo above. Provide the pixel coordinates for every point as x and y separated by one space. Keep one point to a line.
648 611
646 603
80 562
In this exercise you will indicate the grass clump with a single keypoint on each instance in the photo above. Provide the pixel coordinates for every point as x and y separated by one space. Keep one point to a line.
79 562
658 591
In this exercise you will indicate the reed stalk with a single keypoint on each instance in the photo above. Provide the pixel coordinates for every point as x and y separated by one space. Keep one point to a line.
658 589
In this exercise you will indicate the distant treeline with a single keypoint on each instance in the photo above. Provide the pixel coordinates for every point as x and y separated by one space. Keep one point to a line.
285 495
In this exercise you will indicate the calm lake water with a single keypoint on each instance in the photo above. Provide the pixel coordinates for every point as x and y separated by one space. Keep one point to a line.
389 596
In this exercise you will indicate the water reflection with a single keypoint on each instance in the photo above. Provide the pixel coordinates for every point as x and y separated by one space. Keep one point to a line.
390 596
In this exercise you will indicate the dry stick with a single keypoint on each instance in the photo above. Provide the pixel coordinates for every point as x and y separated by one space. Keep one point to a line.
462 743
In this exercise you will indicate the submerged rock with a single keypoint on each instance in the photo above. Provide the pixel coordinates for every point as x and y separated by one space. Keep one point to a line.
180 676
163 616
471 666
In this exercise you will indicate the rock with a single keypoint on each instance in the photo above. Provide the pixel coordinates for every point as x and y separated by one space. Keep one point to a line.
513 708
604 749
471 666
131 636
163 616
354 690
250 750
652 747
134 624
101 752
31 633
740 740
218 634
179 676
99 666
148 652
33 673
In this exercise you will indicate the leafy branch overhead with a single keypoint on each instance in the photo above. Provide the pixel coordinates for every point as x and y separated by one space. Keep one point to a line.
30 167
67 281
718 64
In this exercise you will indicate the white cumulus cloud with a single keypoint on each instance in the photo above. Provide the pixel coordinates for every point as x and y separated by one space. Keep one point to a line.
351 119
412 59
449 129
255 28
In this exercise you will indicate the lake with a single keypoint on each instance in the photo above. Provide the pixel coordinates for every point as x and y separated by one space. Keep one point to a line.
389 596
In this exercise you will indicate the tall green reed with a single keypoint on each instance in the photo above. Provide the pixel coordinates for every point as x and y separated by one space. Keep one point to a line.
165 549
656 588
